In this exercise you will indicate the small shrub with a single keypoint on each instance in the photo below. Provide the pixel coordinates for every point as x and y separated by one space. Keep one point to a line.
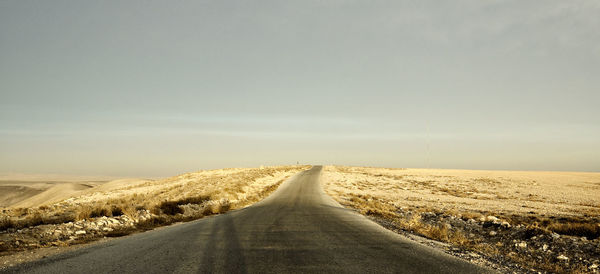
6 223
100 211
83 212
130 211
415 223
207 210
34 220
170 208
438 232
116 211
3 246
194 200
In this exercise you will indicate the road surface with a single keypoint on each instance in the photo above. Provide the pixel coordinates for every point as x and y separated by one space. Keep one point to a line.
297 229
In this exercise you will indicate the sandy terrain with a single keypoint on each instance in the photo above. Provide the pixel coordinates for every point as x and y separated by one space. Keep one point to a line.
24 194
538 221
29 190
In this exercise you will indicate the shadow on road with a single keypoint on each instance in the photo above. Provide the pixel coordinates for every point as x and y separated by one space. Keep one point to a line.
223 252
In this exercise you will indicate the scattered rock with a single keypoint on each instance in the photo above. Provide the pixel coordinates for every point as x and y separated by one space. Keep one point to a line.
521 245
562 257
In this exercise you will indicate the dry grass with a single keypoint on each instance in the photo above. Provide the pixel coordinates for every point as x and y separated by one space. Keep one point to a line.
214 191
499 193
116 211
540 203
590 231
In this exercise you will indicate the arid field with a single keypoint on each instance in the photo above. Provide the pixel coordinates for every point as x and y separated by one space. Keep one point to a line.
548 221
508 220
40 213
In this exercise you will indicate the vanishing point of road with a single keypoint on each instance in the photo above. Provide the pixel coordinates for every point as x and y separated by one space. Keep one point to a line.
297 229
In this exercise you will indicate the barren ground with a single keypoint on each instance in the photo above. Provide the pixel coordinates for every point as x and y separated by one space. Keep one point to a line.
530 221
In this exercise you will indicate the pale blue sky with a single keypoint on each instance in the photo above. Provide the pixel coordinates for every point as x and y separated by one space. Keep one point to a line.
156 88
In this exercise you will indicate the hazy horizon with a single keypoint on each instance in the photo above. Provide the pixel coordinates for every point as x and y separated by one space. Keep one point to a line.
150 88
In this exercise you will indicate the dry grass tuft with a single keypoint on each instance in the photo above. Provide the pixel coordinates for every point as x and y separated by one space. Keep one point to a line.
170 208
33 219
588 230
173 207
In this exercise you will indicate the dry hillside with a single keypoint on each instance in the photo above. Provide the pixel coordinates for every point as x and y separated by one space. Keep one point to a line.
123 206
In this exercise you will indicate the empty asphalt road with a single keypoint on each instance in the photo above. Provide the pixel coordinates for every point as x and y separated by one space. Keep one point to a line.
296 229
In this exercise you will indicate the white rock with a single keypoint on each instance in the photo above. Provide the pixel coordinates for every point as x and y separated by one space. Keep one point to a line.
545 247
593 266
521 245
505 224
492 218
493 233
107 229
562 257
80 232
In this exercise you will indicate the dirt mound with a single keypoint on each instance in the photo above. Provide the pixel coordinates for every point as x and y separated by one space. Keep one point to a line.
54 194
11 194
